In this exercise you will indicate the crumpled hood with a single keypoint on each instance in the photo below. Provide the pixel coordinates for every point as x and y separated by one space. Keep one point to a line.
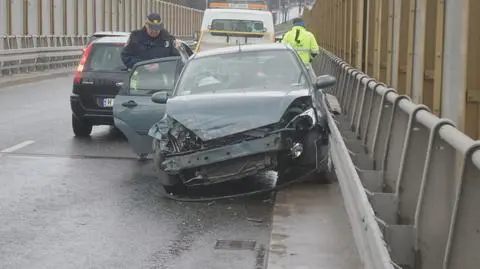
211 116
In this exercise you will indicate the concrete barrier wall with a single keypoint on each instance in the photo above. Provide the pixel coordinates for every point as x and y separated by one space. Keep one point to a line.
82 17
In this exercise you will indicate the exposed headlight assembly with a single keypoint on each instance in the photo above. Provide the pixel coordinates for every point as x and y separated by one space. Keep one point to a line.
182 139
178 135
177 130
305 120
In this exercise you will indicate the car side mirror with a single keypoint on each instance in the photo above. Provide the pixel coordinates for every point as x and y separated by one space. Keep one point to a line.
323 82
160 97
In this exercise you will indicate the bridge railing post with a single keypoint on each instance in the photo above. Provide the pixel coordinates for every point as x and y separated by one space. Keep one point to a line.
427 210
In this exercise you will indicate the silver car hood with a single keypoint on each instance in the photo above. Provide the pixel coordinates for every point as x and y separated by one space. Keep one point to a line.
216 115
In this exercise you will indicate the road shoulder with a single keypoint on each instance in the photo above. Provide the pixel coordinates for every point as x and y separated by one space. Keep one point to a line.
311 230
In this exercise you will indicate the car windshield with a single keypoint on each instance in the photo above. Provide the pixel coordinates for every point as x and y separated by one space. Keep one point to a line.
245 71
150 78
237 25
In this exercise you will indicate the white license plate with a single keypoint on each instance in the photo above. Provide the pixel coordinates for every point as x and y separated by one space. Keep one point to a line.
239 6
108 102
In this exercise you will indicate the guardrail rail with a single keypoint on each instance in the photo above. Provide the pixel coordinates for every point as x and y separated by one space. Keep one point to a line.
419 173
25 54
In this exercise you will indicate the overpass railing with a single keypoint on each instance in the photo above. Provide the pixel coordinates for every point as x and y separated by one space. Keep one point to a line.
419 173
26 54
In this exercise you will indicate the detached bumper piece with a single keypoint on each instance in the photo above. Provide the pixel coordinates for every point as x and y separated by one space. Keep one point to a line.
227 162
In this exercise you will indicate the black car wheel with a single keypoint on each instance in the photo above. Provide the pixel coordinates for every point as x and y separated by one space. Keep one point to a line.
290 169
170 183
81 127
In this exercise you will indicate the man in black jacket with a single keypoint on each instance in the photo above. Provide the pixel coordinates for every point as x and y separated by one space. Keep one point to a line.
151 42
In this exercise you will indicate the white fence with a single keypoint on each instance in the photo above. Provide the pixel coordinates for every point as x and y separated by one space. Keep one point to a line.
82 17
39 35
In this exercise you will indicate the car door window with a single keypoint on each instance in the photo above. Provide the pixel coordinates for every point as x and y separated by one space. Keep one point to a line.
148 79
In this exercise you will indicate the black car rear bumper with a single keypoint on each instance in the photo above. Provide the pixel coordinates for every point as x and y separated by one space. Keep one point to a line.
94 116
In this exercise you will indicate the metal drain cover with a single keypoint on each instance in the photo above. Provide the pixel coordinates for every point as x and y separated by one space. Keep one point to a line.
236 244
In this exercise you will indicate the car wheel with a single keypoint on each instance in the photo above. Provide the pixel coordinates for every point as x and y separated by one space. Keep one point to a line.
170 183
81 127
289 170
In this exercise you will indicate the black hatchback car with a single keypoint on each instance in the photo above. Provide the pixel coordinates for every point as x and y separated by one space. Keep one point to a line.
98 78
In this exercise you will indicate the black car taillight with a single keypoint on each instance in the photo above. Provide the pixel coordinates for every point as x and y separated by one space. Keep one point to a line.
83 60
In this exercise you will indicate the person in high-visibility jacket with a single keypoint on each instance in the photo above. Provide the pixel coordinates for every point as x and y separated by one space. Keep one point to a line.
302 41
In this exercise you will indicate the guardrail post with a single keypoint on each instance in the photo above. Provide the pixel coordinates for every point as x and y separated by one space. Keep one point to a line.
463 241
436 201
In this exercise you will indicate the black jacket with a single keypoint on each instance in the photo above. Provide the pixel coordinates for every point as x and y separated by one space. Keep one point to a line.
142 47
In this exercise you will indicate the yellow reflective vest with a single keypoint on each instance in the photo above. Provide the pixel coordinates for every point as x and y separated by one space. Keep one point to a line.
302 41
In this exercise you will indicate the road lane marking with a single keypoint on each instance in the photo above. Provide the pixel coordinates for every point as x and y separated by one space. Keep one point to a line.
17 146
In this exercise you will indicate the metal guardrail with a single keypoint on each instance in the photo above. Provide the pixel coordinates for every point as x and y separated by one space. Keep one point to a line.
421 176
24 54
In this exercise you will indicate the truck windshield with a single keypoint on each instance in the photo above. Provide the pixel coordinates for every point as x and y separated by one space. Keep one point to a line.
249 26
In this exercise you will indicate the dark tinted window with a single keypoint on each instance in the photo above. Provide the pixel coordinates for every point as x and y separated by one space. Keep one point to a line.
237 25
105 57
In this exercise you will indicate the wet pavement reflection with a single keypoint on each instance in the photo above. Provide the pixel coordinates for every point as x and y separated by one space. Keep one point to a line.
88 203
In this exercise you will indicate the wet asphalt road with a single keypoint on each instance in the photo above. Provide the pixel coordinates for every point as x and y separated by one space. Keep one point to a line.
63 207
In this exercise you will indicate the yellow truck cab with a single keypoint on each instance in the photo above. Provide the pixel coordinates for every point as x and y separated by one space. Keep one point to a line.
230 27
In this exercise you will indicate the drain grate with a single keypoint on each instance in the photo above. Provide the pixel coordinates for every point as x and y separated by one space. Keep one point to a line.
236 244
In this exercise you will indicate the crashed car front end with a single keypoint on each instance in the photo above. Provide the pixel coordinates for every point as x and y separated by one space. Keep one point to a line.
203 162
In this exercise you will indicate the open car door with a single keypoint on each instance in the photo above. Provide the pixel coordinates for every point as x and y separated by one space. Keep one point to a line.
133 111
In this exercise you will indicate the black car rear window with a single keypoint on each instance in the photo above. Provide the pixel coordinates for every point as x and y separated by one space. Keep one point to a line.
105 57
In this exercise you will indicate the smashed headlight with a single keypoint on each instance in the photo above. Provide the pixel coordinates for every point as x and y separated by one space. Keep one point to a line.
304 121
178 135
172 137
182 139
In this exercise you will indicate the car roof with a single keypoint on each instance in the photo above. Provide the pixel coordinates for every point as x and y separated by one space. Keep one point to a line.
118 39
111 39
110 33
241 48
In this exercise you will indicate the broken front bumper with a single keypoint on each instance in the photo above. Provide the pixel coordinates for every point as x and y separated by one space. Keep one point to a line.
175 163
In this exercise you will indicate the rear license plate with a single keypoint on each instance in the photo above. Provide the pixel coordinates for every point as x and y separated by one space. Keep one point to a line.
107 102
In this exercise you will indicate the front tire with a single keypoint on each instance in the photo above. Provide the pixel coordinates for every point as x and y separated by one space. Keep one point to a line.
81 127
291 169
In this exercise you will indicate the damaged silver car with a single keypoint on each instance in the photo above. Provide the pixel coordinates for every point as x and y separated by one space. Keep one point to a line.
238 111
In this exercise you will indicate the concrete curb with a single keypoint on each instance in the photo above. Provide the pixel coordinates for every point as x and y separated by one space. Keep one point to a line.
310 229
8 81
